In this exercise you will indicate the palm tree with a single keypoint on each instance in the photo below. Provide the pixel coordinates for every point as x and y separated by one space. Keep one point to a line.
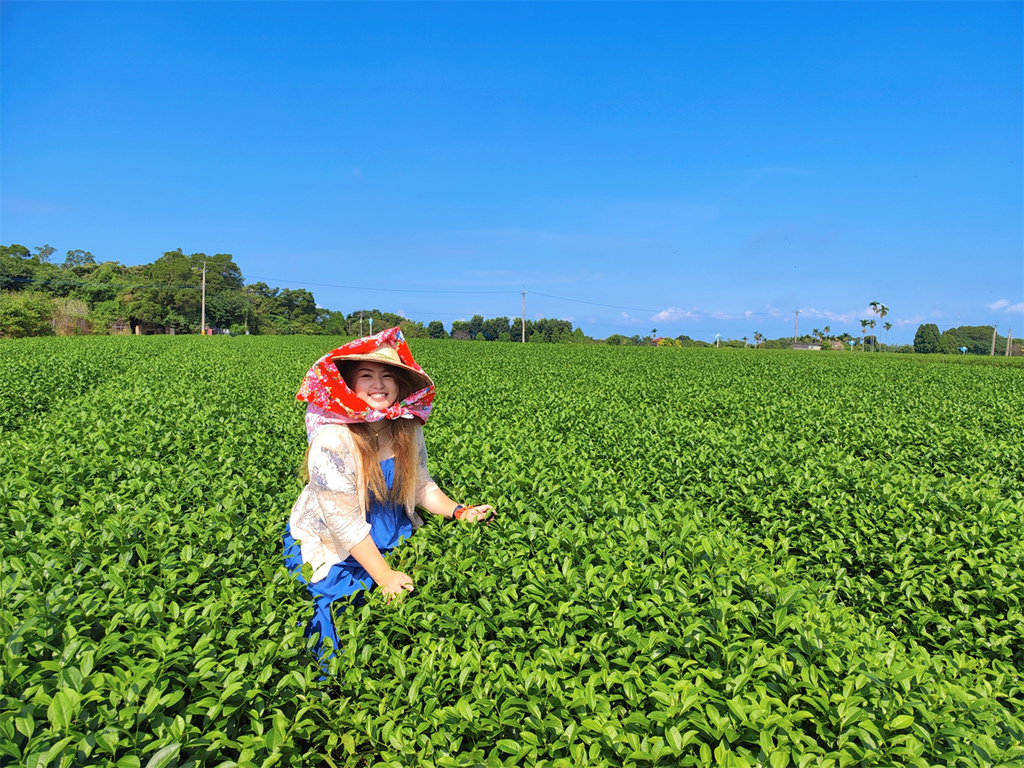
887 326
744 342
881 310
758 338
863 332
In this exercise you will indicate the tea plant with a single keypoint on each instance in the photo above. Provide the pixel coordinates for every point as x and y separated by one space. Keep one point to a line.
703 558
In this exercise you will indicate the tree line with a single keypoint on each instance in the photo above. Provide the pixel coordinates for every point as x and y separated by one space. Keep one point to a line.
40 295
83 295
964 339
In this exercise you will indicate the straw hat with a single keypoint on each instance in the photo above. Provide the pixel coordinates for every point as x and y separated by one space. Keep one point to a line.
387 355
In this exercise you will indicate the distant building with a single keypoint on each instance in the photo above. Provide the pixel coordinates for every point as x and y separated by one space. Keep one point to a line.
814 346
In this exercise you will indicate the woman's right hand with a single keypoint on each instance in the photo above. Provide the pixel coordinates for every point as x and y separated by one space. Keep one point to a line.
479 513
394 585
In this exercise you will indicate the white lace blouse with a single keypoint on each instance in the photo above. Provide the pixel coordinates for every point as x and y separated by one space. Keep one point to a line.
328 518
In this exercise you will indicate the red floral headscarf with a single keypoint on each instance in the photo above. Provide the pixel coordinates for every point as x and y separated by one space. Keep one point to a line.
332 402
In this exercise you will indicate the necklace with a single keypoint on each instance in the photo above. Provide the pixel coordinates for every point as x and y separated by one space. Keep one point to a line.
377 433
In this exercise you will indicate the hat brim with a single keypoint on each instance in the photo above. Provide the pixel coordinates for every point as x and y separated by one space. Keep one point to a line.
419 380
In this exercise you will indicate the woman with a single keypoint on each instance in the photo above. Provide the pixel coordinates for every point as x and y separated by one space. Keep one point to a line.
366 472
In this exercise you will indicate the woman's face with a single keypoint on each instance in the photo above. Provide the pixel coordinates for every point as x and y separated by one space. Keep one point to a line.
375 384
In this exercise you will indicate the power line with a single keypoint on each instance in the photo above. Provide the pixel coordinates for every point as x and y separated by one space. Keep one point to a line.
383 290
79 283
74 283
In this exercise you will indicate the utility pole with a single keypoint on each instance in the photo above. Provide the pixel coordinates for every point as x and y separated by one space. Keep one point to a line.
796 322
1009 340
202 325
524 314
248 309
992 353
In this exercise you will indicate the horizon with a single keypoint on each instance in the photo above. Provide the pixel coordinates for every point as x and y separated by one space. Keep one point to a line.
694 168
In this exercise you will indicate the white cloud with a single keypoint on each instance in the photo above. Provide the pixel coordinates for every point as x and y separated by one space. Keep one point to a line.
915 320
835 317
1006 306
673 313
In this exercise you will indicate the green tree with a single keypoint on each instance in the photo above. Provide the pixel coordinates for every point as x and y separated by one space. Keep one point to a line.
20 270
550 329
926 340
516 332
15 251
43 253
332 323
25 313
494 327
435 330
881 310
77 259
978 339
104 314
460 330
949 344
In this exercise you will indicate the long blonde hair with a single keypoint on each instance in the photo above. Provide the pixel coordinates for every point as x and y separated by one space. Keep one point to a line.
403 443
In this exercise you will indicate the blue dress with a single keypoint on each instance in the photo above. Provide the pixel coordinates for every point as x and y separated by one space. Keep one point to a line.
389 527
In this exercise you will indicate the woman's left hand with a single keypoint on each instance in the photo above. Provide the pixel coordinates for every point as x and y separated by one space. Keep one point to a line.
480 513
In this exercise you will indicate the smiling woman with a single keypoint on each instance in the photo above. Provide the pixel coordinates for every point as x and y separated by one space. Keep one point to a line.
374 383
366 472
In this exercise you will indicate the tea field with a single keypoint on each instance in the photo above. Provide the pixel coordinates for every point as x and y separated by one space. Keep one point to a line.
703 557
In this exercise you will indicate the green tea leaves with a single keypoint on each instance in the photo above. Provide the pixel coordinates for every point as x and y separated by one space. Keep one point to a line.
700 559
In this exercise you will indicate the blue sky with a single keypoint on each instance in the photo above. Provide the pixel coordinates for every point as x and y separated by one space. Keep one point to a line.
697 168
